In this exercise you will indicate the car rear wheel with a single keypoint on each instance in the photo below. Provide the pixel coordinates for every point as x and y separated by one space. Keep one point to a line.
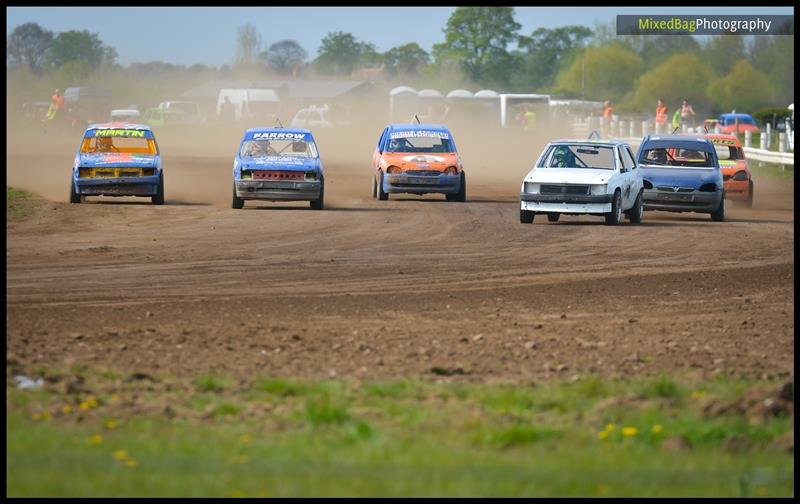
553 217
636 213
719 214
319 203
383 196
237 203
374 187
614 217
526 216
74 197
158 199
749 201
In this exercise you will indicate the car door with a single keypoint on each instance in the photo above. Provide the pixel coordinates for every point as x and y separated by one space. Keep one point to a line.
376 156
625 178
635 174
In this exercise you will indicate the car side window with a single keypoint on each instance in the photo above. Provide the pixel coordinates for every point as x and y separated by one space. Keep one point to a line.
627 157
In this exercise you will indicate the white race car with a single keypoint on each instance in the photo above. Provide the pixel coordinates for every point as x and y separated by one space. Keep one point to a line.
583 177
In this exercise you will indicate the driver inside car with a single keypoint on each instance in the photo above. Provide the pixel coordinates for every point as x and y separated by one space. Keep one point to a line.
563 158
104 144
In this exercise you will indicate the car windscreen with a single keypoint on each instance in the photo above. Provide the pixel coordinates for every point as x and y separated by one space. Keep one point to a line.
728 152
420 141
278 147
579 156
118 144
677 157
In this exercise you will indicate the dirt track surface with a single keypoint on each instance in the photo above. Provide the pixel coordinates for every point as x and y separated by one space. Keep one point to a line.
414 286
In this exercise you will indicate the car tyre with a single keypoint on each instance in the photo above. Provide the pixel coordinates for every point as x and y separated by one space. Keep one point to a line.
526 216
236 203
636 213
383 196
614 217
74 197
319 203
719 214
374 187
553 217
748 203
158 199
461 195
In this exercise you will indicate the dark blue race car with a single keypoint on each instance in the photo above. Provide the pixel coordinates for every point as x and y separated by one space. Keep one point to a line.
682 174
277 164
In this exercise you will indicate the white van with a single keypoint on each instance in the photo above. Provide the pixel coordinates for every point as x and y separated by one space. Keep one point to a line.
249 103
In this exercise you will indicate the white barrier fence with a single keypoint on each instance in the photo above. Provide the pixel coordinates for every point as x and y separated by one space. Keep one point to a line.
627 131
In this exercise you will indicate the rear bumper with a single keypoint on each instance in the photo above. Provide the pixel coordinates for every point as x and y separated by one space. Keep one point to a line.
278 190
696 201
118 186
422 184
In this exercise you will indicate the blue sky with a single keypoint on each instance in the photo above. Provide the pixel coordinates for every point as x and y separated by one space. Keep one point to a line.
188 35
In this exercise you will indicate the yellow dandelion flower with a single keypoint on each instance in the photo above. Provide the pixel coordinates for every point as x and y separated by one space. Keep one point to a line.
120 455
91 401
131 463
657 428
111 424
36 416
84 406
629 431
610 427
602 435
245 438
95 440
67 409
698 394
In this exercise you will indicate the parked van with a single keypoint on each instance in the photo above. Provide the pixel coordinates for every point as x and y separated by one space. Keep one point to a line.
261 104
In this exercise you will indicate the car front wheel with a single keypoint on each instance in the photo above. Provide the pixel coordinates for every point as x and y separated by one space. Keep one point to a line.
383 196
719 214
636 213
553 217
526 216
614 217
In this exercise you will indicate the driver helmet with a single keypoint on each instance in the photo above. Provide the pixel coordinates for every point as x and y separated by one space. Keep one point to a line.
562 157
104 143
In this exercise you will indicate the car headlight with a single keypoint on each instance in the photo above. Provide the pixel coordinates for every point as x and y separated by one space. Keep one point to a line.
710 187
599 189
394 170
740 175
451 170
531 187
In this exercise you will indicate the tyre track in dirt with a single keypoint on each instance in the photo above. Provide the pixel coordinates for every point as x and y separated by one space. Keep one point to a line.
397 288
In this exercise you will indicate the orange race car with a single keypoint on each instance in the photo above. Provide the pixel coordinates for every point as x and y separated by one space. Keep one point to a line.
736 176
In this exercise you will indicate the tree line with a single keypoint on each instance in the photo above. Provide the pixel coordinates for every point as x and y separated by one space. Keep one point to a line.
483 47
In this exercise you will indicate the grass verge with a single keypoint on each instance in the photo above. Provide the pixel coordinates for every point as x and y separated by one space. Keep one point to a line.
20 204
92 432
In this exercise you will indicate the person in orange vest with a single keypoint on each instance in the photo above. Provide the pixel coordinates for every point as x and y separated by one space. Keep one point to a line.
661 112
608 110
56 104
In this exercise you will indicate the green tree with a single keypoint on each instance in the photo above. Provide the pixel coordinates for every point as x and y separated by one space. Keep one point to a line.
657 50
407 59
546 52
248 46
601 73
79 46
74 72
774 55
722 52
745 89
28 44
284 56
682 76
479 37
341 53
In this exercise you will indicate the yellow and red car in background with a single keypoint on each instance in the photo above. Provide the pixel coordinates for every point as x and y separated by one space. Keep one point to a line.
736 175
